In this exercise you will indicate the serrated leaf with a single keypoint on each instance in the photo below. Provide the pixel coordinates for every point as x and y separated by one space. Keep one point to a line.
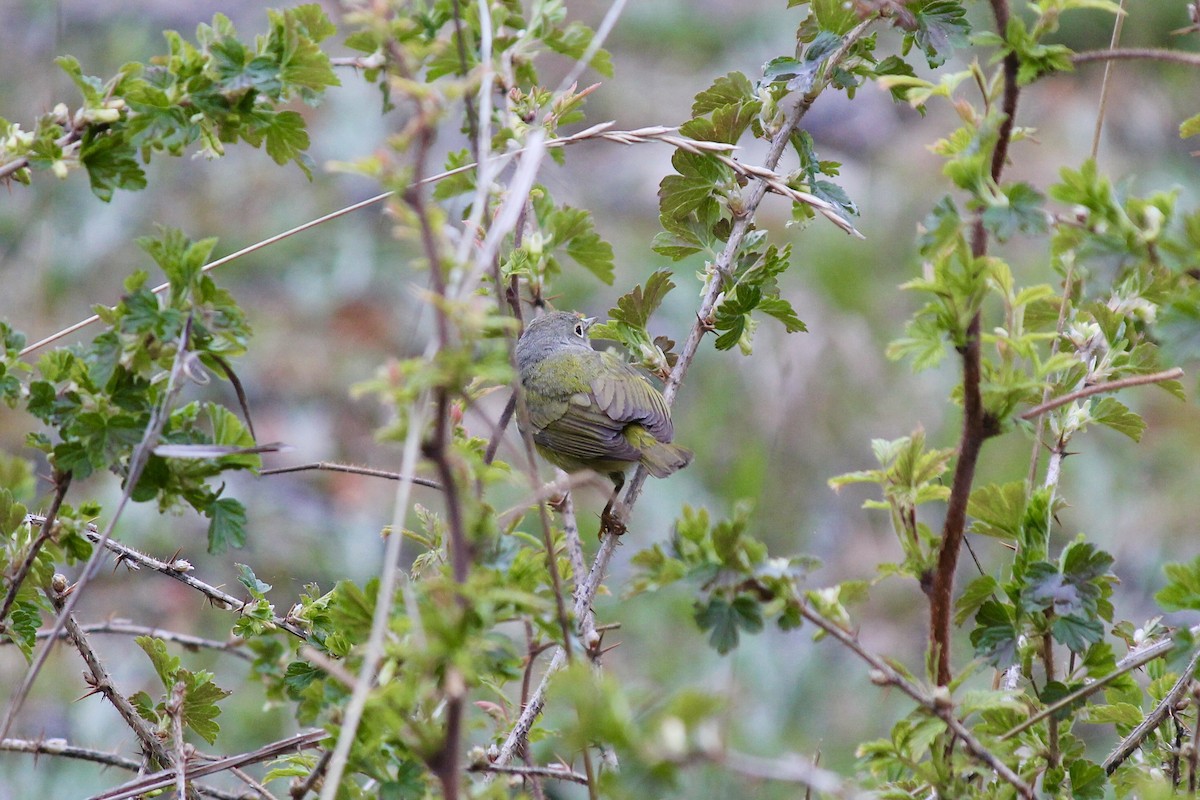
782 310
998 510
1114 414
1076 632
227 524
730 89
200 709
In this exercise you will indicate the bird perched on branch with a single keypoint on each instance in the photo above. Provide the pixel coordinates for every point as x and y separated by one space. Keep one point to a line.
590 410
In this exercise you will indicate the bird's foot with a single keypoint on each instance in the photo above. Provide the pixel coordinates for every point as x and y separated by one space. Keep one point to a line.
610 521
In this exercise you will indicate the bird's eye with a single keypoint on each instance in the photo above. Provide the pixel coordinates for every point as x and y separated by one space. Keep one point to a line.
579 329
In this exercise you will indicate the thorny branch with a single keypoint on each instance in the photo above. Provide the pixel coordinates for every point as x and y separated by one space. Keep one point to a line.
165 778
179 569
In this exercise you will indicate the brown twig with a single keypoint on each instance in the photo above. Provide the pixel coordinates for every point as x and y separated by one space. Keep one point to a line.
164 778
100 681
333 466
1108 386
60 748
554 773
1155 718
189 642
179 569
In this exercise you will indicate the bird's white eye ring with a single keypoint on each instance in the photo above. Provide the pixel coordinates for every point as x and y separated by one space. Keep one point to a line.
579 329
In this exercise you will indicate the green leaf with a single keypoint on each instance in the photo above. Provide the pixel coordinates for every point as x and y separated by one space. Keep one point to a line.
1116 415
974 596
111 164
782 310
995 633
1189 127
200 708
1018 208
573 229
165 664
728 90
247 578
1076 632
1088 780
227 524
940 27
835 16
998 510
573 40
1182 592
724 619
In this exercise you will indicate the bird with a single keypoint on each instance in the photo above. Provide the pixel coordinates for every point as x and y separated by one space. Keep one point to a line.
592 410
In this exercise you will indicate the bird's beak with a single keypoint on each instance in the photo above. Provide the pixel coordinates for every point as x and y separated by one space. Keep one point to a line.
588 322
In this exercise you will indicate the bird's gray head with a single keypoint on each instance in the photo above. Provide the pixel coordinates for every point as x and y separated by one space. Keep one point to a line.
551 333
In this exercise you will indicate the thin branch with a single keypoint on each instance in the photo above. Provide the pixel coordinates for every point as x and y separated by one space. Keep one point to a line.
178 569
657 133
1129 663
1108 386
388 579
165 778
232 646
1118 24
64 142
62 480
137 462
937 702
220 262
333 466
1155 718
554 773
1137 54
100 681
60 748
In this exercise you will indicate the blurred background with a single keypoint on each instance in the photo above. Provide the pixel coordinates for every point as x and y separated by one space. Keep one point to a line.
331 305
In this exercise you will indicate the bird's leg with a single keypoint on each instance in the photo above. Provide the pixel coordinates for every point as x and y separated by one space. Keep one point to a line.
610 517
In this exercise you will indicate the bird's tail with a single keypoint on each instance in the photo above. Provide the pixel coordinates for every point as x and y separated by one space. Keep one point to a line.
661 459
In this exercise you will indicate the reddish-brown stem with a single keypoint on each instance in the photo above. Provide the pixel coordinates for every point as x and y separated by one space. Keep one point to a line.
975 428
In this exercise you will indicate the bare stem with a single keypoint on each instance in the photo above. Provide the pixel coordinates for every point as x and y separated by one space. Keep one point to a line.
165 778
100 681
1137 54
331 466
1108 386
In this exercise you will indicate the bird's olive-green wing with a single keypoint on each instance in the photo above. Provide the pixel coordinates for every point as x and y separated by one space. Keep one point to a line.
586 433
626 396
565 415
